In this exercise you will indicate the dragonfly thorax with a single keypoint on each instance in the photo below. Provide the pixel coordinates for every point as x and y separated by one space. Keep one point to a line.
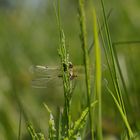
70 69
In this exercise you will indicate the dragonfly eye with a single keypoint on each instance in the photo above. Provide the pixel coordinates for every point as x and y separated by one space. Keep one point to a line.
64 67
70 65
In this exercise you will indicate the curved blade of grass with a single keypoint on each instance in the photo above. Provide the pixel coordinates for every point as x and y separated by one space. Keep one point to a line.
122 113
52 130
82 120
122 79
32 132
115 44
35 135
113 70
112 59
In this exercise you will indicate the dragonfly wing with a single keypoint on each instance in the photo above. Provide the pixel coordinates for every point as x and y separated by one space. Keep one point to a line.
45 82
44 71
42 76
80 70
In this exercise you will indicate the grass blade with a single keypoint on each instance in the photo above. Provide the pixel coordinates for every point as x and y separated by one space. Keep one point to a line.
98 76
86 59
113 69
81 121
122 113
99 32
52 129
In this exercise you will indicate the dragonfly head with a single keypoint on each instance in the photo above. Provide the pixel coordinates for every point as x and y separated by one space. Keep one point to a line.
70 69
70 65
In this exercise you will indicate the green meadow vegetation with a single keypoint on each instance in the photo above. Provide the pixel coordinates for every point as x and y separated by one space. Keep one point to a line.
69 70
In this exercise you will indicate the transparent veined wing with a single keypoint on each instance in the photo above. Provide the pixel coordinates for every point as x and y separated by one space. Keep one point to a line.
45 71
43 76
46 82
79 70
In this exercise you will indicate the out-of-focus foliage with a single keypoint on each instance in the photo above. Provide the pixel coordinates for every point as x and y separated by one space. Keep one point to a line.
29 36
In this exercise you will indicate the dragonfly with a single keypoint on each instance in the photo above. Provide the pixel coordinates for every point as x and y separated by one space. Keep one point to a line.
43 75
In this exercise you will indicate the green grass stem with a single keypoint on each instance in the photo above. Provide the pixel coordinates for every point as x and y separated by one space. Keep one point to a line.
98 76
99 31
86 59
67 84
122 114
113 70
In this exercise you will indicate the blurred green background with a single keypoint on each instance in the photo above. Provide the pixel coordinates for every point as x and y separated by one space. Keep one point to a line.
29 36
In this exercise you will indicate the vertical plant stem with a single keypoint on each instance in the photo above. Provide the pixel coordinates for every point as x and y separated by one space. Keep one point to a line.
99 32
86 59
65 75
98 76
66 82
